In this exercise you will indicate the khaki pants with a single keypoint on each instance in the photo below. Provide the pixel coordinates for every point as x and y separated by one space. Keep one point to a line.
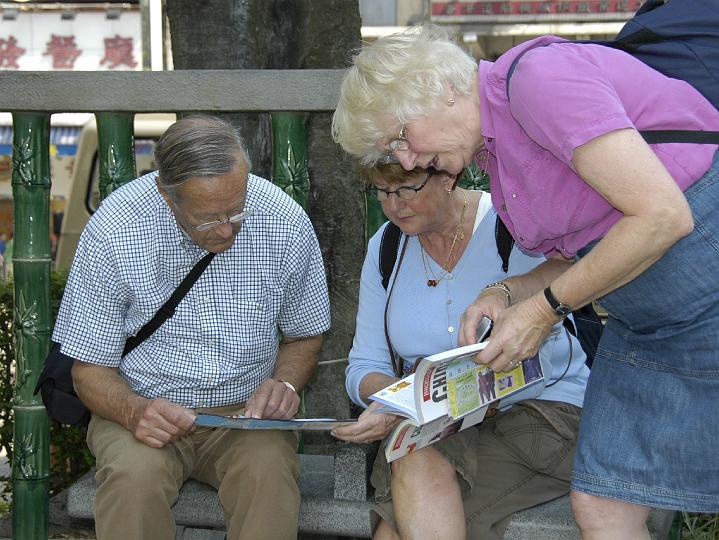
255 473
512 461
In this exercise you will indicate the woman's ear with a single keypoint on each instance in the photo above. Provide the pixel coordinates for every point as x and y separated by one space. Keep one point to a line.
448 180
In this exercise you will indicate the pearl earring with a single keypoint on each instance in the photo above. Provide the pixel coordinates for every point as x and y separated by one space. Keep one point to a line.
451 102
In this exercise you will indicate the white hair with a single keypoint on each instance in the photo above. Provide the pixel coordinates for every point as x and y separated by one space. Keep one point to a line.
395 80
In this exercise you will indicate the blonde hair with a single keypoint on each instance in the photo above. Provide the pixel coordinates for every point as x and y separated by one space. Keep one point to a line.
390 173
399 78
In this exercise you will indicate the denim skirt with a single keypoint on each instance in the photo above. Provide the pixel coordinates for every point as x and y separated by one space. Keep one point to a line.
649 430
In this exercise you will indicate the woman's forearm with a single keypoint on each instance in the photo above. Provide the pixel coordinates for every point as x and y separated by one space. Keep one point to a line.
374 382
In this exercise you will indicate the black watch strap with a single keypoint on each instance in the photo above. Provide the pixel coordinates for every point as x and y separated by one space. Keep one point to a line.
561 310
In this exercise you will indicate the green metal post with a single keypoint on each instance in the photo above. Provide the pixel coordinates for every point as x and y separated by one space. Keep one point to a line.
33 323
289 164
116 148
289 172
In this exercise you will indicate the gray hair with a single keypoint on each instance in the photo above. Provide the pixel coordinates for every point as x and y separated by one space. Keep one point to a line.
395 80
198 146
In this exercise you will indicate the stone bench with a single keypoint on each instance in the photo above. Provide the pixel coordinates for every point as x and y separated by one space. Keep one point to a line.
334 483
334 498
335 503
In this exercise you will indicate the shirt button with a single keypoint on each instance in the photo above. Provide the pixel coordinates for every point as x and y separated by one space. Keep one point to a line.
449 302
514 195
207 299
210 343
504 207
450 277
450 329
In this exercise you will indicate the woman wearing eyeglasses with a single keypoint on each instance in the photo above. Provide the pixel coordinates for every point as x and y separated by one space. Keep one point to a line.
573 179
469 484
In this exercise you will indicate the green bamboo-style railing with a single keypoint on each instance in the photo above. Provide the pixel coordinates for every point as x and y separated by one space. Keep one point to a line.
116 149
33 322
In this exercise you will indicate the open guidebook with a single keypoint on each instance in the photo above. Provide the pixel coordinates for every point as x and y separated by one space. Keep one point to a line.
449 392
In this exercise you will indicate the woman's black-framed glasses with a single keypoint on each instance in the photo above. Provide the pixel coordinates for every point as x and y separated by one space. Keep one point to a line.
405 193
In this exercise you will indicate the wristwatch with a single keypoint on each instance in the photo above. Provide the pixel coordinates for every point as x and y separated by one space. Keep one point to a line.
561 310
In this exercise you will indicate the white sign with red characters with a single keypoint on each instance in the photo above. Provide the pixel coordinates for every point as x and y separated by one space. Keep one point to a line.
66 40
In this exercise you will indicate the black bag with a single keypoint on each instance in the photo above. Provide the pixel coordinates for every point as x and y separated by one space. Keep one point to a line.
55 383
588 328
678 38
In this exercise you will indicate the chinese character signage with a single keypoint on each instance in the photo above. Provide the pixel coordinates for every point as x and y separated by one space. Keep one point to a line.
63 50
10 52
88 41
118 51
531 10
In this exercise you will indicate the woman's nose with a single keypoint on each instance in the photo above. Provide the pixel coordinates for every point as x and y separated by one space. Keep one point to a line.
391 203
407 159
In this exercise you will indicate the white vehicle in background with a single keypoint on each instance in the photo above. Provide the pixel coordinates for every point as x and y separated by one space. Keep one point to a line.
84 195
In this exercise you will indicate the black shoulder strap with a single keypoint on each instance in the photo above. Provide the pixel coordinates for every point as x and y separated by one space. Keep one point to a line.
505 242
168 308
388 252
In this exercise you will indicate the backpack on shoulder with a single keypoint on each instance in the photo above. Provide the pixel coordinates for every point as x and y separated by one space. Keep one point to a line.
678 38
587 326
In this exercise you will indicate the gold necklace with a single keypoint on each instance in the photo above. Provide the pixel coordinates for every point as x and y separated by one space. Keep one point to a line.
432 280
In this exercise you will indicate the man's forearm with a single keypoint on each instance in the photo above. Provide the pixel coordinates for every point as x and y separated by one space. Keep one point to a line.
297 360
105 393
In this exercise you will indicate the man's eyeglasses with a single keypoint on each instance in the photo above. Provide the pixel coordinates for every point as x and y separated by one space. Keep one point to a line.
233 220
405 193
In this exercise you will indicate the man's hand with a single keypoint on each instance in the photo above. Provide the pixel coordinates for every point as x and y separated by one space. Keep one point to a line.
370 426
273 399
158 422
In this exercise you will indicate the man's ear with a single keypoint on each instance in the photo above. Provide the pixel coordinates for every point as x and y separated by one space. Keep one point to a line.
162 190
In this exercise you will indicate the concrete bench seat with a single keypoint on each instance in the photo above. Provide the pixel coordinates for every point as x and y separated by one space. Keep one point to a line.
334 483
335 503
334 492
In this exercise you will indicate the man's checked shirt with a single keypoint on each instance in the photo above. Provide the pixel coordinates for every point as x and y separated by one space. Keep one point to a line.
223 339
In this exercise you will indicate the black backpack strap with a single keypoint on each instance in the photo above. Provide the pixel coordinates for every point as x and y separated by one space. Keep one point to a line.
168 308
504 241
659 136
388 251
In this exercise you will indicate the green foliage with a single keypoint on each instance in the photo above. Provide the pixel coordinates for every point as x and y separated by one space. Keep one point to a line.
69 456
473 177
700 526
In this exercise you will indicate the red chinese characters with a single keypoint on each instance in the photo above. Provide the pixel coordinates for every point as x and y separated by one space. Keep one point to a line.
63 50
118 51
10 52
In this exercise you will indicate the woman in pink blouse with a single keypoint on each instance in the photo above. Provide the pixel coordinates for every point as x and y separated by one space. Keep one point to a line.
572 178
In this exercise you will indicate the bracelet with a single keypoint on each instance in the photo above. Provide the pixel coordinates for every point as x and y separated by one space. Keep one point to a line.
290 386
501 285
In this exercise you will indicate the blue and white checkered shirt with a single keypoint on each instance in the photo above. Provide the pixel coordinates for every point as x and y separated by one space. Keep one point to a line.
223 339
